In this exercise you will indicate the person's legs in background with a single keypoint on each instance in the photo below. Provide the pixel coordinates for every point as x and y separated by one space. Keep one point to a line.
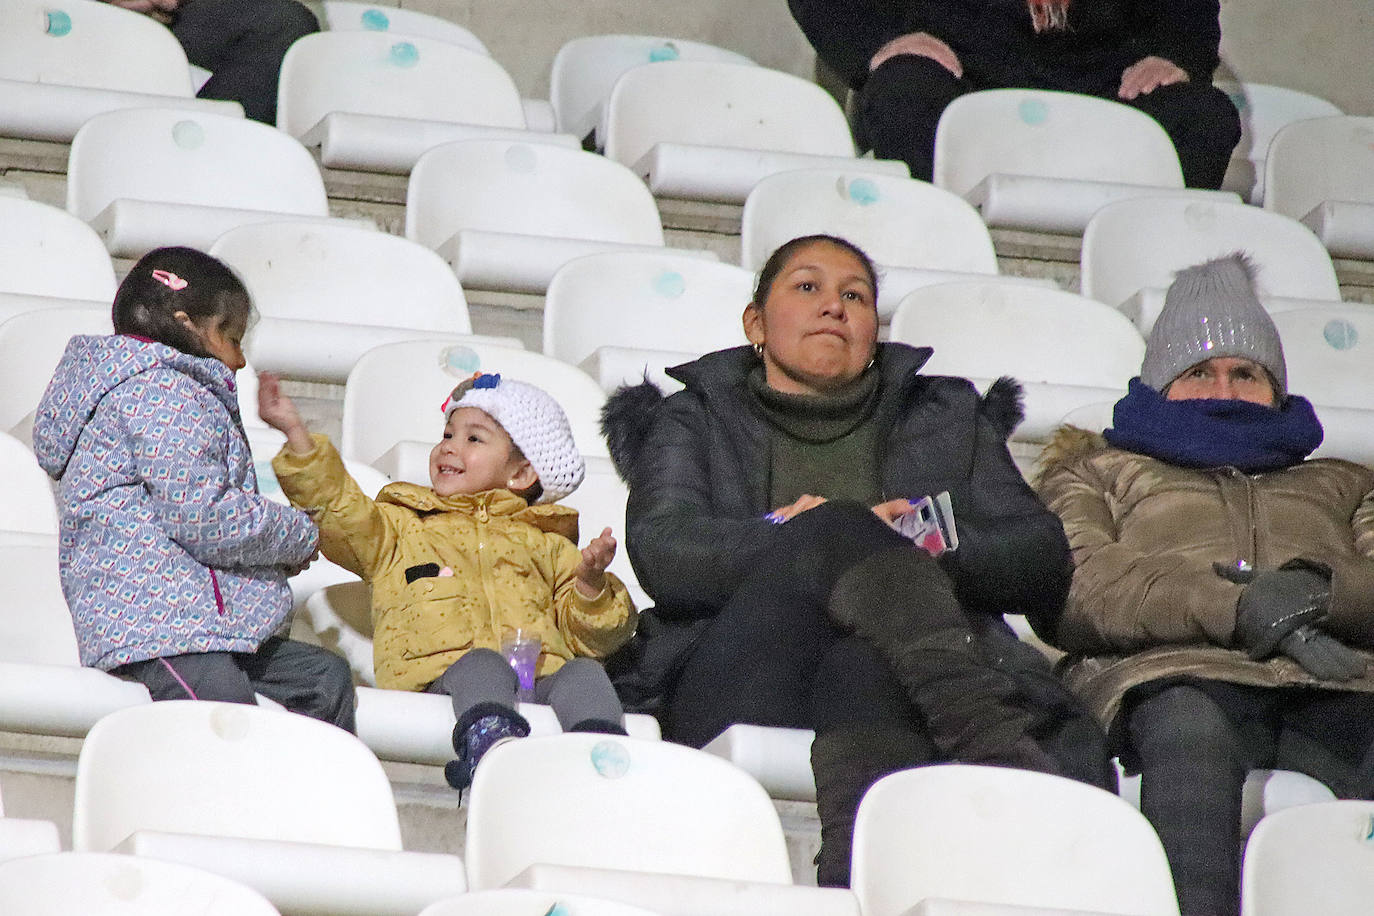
900 105
1203 123
242 42
1329 735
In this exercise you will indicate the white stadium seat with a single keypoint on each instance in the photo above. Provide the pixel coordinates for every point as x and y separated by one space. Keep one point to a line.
149 177
1264 110
705 130
1310 859
345 15
1041 160
1321 171
45 251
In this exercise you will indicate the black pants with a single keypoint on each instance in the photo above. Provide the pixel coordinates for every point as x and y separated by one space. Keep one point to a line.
773 657
304 678
579 691
1194 743
901 102
242 42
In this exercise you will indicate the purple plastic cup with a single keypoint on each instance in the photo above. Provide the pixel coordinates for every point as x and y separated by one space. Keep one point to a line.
522 652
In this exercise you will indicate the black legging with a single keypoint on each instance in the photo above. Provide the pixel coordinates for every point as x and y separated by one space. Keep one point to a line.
773 657
901 102
242 42
1195 741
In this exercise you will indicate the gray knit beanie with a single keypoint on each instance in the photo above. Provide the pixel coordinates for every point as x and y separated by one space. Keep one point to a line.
534 422
1211 311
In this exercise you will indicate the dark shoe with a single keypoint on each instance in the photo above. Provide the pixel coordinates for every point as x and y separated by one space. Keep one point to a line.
846 761
599 727
481 729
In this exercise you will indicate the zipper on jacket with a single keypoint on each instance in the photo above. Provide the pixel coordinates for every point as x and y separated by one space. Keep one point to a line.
219 598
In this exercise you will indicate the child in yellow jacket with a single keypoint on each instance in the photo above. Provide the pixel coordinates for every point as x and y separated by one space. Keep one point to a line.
481 553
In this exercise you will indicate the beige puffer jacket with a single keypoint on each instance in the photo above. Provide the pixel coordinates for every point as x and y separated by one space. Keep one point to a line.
482 564
1146 602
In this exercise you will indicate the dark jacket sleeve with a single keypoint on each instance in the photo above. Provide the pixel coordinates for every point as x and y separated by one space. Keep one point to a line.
1186 32
1013 557
686 555
847 33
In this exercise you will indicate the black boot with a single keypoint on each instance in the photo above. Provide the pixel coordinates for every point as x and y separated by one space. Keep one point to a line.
846 761
902 602
478 731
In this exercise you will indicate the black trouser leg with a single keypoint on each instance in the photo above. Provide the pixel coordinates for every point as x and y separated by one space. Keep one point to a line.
242 42
194 676
305 679
1203 123
581 696
900 105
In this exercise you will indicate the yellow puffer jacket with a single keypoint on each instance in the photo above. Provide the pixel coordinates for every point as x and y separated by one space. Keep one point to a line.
480 565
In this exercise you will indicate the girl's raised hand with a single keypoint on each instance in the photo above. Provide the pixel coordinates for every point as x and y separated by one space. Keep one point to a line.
279 412
596 556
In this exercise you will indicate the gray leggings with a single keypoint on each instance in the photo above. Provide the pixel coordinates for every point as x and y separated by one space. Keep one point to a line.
578 692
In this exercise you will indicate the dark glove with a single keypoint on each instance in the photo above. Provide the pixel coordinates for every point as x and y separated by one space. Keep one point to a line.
1322 656
1275 603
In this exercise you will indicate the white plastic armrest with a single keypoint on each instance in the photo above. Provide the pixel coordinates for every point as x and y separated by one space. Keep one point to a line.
47 111
616 366
1345 227
725 174
378 143
1062 205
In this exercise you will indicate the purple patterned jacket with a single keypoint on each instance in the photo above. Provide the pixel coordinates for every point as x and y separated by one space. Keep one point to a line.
165 545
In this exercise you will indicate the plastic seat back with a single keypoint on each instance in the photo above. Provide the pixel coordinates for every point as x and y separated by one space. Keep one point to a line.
528 189
720 104
31 344
1264 110
1318 160
85 43
521 902
35 626
1053 135
45 251
1134 244
223 769
985 330
612 802
585 69
346 274
157 154
644 300
345 15
898 222
997 835
61 883
1310 859
26 502
400 76
1330 354
395 391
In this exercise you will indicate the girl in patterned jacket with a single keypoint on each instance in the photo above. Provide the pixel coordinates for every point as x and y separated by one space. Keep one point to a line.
172 563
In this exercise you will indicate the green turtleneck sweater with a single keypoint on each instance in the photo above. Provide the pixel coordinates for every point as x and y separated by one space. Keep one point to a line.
822 444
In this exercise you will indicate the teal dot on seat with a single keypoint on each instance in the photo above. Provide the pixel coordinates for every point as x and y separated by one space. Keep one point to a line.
376 21
188 134
59 23
670 284
1340 334
1033 112
864 192
666 51
610 759
460 361
404 54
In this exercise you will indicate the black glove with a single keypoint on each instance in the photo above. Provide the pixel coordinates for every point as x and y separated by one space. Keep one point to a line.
1322 656
1275 603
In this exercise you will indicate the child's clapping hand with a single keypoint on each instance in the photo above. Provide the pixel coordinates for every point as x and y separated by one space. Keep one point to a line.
596 556
279 412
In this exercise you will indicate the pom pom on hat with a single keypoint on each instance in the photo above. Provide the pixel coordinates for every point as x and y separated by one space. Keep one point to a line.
534 422
1210 311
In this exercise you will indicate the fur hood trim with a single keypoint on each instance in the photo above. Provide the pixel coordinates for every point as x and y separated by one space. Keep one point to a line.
1068 444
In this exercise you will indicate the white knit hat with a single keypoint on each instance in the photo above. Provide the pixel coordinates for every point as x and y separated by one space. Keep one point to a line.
534 422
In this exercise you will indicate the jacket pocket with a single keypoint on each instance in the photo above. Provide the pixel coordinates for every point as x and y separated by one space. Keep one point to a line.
440 615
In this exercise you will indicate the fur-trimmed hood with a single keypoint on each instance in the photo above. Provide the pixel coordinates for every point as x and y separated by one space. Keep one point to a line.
1068 444
629 413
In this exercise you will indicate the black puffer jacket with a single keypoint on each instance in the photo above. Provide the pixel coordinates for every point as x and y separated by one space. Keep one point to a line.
697 465
998 47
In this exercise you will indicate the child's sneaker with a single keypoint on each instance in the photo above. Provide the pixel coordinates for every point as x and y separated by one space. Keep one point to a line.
481 728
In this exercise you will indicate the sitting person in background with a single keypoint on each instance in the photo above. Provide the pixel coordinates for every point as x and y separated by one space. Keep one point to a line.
909 59
762 506
241 43
1224 590
481 553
